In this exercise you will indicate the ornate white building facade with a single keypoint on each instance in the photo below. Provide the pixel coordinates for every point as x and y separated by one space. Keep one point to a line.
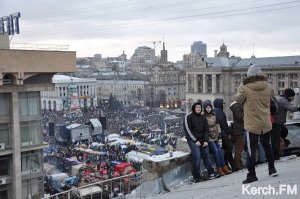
127 92
219 77
69 93
167 83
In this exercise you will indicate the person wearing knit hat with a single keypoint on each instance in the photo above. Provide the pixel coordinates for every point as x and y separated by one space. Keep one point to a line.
214 135
238 132
284 105
255 94
253 71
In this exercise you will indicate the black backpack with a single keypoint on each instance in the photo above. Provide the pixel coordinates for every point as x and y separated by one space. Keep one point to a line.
274 108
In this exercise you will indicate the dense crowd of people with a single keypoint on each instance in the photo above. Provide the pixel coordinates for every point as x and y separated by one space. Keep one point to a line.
255 126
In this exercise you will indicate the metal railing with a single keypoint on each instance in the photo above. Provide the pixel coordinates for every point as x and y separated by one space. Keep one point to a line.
112 188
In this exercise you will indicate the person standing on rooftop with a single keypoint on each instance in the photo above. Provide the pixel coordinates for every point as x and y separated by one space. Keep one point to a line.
255 94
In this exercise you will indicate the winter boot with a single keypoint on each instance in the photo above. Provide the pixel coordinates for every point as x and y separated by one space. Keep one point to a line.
250 178
226 170
273 172
220 171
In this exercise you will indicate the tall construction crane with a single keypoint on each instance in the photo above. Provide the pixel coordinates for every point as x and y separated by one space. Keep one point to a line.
154 43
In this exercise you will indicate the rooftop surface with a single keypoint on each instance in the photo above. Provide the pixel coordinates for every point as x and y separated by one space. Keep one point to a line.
231 186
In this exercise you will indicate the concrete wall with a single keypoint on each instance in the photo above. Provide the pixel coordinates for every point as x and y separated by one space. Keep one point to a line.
31 61
158 169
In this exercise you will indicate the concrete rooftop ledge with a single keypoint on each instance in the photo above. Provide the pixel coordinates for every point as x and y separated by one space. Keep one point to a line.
36 61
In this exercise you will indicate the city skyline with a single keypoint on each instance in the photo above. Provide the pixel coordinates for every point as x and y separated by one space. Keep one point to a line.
267 28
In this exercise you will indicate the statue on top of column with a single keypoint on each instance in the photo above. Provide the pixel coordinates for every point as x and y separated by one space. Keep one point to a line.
199 61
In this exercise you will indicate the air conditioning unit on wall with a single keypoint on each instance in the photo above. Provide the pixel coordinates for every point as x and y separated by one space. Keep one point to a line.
2 181
2 146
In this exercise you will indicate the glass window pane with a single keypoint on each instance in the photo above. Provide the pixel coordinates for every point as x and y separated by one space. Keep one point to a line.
25 136
32 188
31 162
4 101
35 132
34 103
23 108
29 103
4 134
4 166
30 133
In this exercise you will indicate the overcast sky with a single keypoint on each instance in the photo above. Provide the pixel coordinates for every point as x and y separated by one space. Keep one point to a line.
110 26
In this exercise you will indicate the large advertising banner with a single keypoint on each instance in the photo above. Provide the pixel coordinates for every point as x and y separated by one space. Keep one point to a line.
74 103
73 93
71 102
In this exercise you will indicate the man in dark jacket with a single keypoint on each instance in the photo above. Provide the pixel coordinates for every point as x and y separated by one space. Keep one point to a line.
284 106
197 135
238 131
226 141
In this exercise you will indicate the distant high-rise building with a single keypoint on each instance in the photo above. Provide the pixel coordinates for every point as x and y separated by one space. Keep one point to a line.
198 47
142 59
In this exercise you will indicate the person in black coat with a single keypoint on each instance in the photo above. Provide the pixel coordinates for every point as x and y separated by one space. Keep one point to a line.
197 135
225 133
238 132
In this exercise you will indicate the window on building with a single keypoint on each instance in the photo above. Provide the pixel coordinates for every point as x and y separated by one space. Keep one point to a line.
5 166
269 76
32 188
209 83
5 191
293 84
44 104
30 133
200 84
31 162
29 103
49 105
294 76
4 101
280 76
4 136
218 89
281 84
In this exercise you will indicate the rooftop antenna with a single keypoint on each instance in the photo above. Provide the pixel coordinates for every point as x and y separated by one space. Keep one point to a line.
253 56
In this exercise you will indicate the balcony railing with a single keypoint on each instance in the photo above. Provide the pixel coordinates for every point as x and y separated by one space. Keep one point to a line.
112 188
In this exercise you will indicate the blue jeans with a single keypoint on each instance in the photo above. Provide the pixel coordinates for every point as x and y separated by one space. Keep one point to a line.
216 150
196 153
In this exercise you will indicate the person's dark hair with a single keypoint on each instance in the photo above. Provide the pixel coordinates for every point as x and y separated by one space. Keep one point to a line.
194 106
205 104
289 92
